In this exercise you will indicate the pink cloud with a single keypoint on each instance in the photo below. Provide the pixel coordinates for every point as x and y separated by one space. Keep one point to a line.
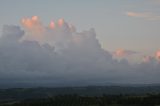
123 53
144 15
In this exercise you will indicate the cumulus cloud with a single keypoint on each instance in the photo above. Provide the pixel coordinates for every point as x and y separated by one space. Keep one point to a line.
59 55
123 53
143 15
149 59
158 54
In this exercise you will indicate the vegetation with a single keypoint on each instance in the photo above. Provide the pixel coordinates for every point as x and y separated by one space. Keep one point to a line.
105 100
82 96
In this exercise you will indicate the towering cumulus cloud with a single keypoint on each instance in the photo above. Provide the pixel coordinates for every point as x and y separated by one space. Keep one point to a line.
58 55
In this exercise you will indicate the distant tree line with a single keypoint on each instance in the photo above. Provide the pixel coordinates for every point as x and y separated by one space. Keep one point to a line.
76 100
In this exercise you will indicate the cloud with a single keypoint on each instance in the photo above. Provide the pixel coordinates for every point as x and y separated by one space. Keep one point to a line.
148 59
123 53
143 15
134 14
60 55
158 54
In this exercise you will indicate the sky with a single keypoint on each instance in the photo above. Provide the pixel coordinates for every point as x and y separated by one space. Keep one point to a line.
109 17
112 33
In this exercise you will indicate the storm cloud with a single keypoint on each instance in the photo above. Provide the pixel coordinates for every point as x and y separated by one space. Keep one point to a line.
59 55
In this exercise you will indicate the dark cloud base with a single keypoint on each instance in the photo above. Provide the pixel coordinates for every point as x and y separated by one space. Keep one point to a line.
66 58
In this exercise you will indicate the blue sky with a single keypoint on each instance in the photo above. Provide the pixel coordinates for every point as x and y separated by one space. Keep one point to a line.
115 29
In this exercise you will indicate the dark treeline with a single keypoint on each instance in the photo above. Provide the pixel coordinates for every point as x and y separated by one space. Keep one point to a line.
29 93
76 100
82 96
